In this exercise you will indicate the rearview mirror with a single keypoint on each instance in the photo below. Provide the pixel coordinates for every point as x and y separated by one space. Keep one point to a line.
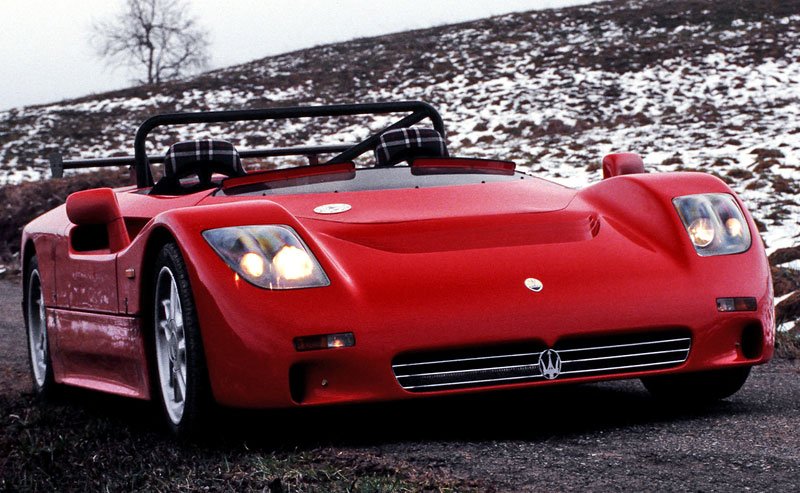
96 206
622 163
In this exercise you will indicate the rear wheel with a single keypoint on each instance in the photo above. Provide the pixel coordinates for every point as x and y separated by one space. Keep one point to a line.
698 387
182 378
36 327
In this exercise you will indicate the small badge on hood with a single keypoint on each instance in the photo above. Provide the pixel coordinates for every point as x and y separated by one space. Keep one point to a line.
533 284
332 208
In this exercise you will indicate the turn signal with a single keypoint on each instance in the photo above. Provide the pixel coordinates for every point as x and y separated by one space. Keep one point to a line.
324 341
736 304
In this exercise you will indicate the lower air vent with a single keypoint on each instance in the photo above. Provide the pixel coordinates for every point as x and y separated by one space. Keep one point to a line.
427 372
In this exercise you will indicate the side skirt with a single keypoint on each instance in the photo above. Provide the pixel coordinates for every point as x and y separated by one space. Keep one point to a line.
98 351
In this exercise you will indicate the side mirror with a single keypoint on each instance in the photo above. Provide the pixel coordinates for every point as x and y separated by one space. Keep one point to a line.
96 207
623 163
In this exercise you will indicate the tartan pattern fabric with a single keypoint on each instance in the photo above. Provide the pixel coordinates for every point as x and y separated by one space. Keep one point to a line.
182 157
408 143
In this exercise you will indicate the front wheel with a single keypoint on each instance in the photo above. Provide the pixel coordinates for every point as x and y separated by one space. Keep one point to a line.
182 378
698 387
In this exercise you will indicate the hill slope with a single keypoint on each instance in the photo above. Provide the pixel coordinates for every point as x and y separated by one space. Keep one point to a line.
689 84
698 84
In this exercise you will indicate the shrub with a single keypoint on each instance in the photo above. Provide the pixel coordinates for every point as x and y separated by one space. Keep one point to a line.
26 201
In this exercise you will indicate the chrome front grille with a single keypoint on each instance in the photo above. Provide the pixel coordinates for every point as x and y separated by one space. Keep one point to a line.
427 372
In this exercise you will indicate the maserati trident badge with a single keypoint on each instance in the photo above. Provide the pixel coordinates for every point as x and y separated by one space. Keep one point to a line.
533 284
332 208
550 364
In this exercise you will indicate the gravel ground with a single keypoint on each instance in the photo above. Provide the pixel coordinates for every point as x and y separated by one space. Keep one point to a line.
610 436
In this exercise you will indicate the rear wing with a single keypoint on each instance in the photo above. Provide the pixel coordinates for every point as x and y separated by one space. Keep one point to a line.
58 165
140 162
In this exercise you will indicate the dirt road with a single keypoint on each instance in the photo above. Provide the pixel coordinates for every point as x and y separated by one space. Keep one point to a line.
591 437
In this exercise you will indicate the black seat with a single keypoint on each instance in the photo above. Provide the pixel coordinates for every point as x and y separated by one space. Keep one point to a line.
200 158
407 144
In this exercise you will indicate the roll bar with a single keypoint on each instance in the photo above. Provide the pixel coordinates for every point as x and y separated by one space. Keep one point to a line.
141 162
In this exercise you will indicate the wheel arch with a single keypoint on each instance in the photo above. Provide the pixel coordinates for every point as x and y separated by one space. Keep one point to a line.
156 240
158 237
28 252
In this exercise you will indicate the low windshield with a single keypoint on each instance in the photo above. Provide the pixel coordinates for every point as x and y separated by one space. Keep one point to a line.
397 177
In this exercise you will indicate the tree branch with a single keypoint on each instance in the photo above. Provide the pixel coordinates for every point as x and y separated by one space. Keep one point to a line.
154 36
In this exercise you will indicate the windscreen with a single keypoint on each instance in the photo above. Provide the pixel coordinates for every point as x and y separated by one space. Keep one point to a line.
398 177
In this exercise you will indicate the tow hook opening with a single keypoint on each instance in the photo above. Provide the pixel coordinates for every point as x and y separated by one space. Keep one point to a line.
752 340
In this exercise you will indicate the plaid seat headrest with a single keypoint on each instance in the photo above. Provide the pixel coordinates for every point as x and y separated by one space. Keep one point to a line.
409 143
189 157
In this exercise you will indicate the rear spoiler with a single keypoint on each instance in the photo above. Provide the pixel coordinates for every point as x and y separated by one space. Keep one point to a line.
140 161
58 165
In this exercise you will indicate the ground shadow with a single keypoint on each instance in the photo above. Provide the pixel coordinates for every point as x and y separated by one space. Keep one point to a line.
531 415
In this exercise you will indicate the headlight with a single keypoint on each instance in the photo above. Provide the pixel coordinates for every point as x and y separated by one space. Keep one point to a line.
714 222
271 257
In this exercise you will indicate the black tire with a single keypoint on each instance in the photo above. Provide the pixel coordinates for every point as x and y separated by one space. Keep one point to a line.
700 387
39 360
170 361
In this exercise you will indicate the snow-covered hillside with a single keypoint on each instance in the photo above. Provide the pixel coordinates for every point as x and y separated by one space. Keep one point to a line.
695 85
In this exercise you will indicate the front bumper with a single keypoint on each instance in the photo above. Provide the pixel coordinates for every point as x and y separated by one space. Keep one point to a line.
248 332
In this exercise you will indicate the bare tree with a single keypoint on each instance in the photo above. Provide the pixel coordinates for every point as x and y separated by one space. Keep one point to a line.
155 36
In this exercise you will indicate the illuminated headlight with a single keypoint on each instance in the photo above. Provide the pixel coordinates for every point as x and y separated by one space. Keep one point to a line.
714 222
271 257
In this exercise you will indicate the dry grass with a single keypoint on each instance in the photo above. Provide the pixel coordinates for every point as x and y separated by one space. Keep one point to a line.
108 444
787 344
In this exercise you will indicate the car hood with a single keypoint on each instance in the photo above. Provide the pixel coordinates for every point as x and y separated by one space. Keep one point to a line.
531 195
531 211
395 206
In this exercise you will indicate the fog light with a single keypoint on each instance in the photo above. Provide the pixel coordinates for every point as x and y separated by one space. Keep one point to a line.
324 341
736 304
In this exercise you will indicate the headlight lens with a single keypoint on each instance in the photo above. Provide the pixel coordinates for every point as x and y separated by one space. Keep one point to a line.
272 257
701 231
714 222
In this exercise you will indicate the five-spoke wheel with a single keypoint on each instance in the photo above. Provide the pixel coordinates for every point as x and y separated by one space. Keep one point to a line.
181 375
170 345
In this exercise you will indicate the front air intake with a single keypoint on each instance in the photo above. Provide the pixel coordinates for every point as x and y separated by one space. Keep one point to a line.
443 370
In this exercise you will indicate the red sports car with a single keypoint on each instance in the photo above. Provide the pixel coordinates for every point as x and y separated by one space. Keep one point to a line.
419 274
